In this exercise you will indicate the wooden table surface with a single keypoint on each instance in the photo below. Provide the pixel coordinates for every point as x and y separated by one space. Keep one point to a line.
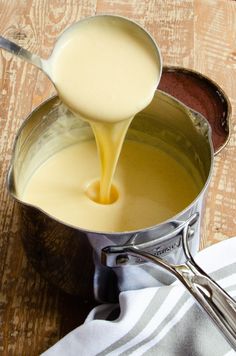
197 34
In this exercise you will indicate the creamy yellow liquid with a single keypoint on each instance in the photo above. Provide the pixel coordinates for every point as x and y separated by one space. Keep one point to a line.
152 187
106 70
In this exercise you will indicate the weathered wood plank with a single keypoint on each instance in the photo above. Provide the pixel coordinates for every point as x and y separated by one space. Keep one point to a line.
170 22
31 312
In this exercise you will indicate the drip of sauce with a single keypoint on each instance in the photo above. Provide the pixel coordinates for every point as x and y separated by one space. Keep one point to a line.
106 70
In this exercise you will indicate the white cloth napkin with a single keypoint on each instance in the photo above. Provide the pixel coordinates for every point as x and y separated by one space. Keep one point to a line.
157 321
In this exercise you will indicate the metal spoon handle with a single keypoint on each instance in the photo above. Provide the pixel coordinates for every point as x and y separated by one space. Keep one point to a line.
21 52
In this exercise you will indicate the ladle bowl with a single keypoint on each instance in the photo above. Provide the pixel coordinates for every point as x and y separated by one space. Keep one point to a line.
46 65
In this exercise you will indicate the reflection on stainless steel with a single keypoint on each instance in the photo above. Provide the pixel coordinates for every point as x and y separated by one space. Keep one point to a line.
218 304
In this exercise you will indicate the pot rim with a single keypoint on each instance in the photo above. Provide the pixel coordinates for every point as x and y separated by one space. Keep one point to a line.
117 233
220 91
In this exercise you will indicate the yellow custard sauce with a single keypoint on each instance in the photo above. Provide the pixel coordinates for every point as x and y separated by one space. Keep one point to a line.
150 187
106 69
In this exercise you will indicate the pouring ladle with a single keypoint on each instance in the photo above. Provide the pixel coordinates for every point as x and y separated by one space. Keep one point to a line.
214 300
46 65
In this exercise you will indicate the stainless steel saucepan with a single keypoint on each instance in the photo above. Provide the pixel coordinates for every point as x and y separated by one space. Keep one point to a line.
126 260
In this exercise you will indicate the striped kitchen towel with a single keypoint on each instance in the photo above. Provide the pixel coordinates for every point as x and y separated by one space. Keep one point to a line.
163 321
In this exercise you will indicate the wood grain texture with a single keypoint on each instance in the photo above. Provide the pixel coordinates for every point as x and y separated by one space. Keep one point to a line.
199 34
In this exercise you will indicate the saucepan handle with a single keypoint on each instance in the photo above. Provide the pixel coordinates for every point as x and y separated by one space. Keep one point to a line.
216 302
212 298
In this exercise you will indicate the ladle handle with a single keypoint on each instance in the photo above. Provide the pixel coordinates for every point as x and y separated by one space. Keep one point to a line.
21 52
218 304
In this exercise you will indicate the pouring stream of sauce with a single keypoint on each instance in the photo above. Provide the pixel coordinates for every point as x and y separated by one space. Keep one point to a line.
106 70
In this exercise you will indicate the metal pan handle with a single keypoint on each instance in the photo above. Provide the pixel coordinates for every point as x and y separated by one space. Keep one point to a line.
216 302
